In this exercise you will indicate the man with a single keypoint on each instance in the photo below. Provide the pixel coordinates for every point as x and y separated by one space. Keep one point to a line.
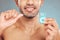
26 26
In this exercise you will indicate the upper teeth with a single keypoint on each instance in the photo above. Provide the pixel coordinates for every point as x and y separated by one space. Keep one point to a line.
30 9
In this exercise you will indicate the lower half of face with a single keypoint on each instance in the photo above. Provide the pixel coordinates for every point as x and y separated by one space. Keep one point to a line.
29 10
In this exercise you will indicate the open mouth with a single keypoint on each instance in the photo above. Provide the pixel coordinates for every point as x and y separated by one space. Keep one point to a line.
29 8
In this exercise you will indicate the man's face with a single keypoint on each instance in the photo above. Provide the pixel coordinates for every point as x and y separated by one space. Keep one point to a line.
29 8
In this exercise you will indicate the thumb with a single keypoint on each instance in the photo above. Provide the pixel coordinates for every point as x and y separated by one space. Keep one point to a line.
20 15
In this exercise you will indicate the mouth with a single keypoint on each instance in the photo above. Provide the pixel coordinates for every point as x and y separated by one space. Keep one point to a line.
29 8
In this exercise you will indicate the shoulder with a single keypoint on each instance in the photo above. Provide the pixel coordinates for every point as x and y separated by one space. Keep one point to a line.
42 30
41 26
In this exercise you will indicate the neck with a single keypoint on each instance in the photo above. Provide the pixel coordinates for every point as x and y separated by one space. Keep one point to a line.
30 22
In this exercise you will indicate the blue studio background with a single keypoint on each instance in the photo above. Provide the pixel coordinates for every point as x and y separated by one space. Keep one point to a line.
50 7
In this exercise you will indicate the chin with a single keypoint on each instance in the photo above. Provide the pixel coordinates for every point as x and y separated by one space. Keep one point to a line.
30 16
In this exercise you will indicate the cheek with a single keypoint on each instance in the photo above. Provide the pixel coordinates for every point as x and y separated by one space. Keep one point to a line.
19 2
38 3
22 3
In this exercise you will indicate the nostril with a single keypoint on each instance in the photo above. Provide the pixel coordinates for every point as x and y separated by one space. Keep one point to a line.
30 4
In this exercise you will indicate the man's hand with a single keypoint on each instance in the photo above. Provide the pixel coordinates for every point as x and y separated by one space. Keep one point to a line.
8 18
51 29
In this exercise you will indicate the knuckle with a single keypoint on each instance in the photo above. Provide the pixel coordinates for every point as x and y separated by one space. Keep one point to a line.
14 10
53 19
2 14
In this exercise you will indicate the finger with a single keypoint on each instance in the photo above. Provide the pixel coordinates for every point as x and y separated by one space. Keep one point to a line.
15 13
11 14
55 24
12 21
51 22
48 20
20 15
2 16
7 14
49 32
51 28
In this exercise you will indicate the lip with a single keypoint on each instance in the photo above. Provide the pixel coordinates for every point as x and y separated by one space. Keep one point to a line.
29 9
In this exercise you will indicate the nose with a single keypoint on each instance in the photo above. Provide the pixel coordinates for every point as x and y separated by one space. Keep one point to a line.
30 2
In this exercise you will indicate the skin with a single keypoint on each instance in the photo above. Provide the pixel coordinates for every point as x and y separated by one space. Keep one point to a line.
26 26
